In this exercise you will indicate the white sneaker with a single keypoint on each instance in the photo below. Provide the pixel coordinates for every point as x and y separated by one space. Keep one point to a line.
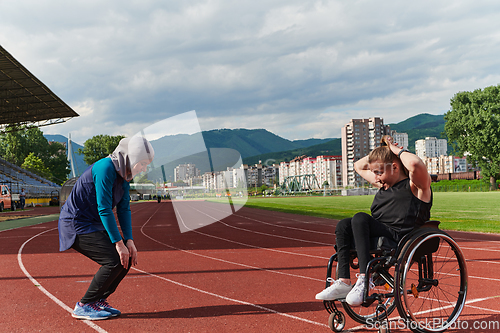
337 289
355 296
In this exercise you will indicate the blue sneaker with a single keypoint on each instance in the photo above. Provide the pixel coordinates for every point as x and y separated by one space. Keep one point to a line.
90 311
104 305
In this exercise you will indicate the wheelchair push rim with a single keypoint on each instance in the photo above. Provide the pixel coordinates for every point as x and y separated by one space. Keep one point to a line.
432 280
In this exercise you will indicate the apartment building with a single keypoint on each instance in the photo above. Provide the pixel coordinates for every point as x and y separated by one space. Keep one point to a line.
400 138
329 170
308 166
445 164
186 171
431 147
221 180
359 137
325 168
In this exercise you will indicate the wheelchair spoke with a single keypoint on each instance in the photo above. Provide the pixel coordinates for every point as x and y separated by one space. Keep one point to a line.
434 281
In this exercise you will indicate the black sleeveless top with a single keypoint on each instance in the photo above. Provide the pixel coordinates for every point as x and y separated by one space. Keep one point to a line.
399 209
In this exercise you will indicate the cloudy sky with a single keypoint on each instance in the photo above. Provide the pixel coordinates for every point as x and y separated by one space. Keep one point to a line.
299 69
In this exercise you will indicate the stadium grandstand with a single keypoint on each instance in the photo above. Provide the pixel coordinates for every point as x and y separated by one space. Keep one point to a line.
25 100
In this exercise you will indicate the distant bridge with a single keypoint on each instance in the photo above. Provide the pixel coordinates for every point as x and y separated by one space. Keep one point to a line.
300 184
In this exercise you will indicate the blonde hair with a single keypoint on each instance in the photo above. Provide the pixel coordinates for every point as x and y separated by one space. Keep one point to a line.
382 154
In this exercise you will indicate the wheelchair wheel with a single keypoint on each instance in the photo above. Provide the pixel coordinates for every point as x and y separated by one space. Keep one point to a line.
432 280
336 321
367 315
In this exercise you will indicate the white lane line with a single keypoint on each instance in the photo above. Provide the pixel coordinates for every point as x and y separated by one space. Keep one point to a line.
479 249
259 247
476 239
217 295
467 305
483 261
277 214
222 260
275 225
262 233
285 226
248 245
215 219
45 291
231 299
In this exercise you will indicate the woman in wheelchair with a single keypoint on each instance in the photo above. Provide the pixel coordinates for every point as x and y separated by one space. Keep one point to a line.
403 202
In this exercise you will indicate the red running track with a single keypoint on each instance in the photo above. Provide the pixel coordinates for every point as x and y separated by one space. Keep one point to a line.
255 271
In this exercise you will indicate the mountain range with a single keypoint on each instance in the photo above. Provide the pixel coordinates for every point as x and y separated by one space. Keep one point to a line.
420 127
258 145
417 127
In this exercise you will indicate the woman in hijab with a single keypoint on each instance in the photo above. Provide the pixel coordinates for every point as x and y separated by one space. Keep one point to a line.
87 223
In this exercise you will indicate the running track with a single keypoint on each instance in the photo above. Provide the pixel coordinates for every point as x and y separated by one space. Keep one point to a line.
255 271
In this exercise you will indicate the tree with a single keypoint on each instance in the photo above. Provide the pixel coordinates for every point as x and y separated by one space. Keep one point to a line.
57 162
18 142
473 129
35 165
98 147
12 144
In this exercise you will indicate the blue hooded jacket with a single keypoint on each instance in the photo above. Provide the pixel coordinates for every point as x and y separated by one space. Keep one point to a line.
89 206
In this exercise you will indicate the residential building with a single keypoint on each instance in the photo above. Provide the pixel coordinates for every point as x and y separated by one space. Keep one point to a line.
308 166
329 169
186 171
431 147
359 137
239 179
324 168
284 171
208 181
271 175
445 164
400 138
244 176
259 174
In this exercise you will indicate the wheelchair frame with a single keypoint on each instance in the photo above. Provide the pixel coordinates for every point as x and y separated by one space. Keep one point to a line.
419 261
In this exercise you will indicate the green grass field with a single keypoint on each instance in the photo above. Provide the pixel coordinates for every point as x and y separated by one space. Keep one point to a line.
474 211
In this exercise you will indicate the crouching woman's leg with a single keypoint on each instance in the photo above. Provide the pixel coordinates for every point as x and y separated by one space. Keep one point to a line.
98 247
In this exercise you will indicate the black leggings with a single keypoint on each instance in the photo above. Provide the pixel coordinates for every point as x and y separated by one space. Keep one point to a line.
98 247
355 233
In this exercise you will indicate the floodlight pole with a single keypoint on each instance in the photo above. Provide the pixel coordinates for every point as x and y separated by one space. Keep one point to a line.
70 156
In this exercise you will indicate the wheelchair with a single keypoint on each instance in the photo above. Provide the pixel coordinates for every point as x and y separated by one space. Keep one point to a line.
424 276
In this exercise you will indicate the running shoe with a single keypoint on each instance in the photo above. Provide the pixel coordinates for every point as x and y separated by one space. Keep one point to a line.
90 311
356 295
104 305
337 290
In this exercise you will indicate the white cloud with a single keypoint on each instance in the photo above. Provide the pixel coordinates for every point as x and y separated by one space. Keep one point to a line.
297 68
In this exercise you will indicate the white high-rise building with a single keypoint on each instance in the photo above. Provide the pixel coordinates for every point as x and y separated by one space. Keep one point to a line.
430 147
329 169
359 137
401 139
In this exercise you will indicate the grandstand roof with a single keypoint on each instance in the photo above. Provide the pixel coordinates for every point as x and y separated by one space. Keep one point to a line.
26 100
